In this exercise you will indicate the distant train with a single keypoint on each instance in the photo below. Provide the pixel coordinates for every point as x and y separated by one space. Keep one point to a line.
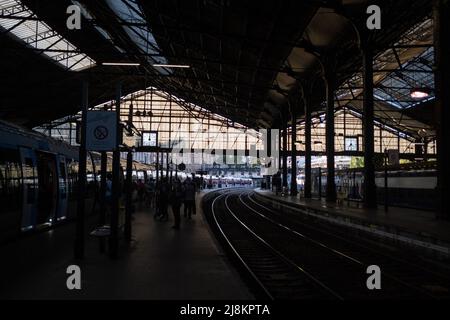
407 186
224 182
38 180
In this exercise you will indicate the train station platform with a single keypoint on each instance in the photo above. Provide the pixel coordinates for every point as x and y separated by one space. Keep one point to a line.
159 264
409 226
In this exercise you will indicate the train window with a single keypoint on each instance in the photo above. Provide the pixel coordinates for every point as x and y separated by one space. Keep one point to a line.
10 177
72 176
89 165
30 179
62 179
91 187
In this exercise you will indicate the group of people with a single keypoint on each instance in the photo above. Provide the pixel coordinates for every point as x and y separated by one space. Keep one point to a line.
159 196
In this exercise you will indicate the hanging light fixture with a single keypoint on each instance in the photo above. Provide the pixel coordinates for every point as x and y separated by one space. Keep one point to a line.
121 64
160 65
420 93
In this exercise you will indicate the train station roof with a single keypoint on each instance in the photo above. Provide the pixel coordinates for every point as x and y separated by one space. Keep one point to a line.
239 59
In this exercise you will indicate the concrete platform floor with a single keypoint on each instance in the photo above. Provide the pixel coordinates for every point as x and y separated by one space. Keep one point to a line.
421 223
160 263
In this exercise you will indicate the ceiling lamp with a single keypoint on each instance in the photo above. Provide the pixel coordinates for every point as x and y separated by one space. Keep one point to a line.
121 64
420 93
182 66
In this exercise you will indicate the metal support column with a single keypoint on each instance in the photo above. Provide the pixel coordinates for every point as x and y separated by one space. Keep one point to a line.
331 185
167 166
308 120
285 169
279 148
370 196
157 167
294 191
79 233
103 169
161 166
114 236
441 12
129 190
386 194
102 198
320 183
418 149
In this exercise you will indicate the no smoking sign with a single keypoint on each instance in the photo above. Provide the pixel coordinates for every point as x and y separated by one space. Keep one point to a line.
101 131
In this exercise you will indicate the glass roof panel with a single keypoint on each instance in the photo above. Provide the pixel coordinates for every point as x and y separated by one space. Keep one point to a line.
129 11
38 35
417 73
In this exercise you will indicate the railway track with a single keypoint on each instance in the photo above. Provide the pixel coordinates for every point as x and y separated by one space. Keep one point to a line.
293 260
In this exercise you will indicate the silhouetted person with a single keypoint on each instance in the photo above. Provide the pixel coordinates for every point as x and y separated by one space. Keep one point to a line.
176 199
108 193
163 199
189 198
140 190
276 182
150 192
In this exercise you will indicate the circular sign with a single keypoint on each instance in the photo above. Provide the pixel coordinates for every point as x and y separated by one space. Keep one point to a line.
101 133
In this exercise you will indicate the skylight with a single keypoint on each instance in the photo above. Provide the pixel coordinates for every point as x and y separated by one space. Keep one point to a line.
85 12
21 22
141 35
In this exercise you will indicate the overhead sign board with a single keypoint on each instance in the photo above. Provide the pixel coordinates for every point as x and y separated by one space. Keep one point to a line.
393 157
101 130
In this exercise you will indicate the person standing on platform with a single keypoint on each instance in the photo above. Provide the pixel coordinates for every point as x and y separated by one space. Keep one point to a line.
140 190
276 182
189 198
150 193
163 200
108 193
176 199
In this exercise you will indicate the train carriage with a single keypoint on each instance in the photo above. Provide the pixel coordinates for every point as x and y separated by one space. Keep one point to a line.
37 178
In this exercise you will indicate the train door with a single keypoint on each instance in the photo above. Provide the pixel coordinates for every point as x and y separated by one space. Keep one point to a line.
29 188
63 187
48 187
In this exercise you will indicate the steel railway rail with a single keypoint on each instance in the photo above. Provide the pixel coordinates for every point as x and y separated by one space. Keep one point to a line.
276 275
418 278
395 264
290 263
